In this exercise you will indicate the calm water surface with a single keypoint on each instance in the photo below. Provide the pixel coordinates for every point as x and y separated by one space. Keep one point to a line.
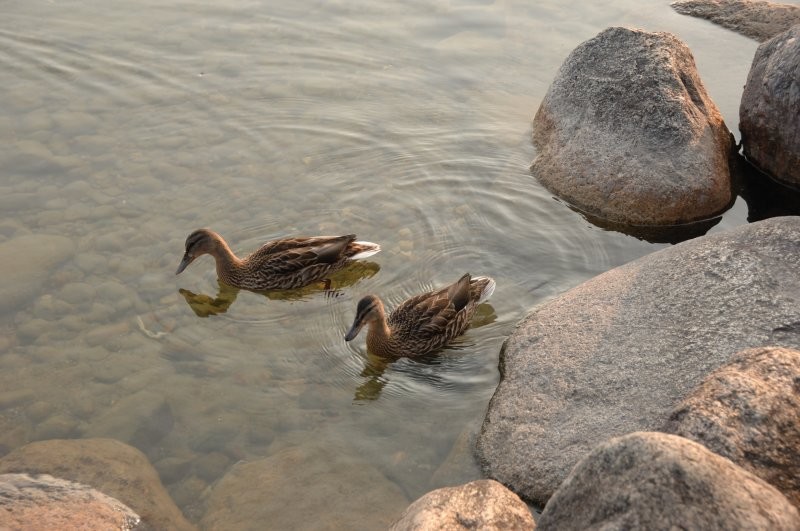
126 125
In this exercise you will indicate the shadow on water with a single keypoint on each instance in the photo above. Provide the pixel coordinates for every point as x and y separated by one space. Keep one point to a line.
204 305
654 233
765 198
375 367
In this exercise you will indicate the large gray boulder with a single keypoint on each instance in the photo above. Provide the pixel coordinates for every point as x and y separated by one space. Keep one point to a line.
753 18
619 352
749 411
627 133
484 504
656 481
769 114
28 503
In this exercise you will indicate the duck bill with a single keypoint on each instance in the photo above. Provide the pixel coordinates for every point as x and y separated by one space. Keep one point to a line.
354 330
187 259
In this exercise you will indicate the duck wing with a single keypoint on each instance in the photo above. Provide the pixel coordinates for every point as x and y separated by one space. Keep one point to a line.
303 243
293 254
432 314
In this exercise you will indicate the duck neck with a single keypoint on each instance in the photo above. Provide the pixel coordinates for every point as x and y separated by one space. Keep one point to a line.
379 336
228 264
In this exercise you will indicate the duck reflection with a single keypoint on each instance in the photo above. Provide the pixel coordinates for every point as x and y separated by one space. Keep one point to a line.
204 305
375 367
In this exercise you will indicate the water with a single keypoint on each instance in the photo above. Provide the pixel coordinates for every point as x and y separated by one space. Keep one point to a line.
126 125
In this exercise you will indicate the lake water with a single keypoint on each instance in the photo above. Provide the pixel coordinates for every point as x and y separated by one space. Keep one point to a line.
126 125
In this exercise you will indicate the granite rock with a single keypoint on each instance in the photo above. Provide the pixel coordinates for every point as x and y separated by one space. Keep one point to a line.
617 353
107 465
627 133
484 504
748 410
657 481
755 19
30 503
769 114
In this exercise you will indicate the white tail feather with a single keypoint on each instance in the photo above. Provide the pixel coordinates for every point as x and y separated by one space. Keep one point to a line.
487 290
371 248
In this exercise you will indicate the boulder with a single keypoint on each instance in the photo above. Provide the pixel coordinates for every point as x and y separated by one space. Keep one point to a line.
617 353
26 262
659 481
755 19
748 410
484 504
43 502
324 488
627 133
769 114
107 465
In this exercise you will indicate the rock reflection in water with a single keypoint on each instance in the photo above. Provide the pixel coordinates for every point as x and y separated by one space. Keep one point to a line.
765 197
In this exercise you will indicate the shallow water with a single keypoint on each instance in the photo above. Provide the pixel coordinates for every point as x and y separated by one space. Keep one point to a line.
126 125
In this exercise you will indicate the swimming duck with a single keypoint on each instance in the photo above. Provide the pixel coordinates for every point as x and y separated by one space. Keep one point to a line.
285 263
423 323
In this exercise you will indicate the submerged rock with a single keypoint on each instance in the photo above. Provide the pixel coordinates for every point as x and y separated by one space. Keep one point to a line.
769 114
484 504
619 352
107 465
45 502
303 487
755 19
660 481
748 410
627 133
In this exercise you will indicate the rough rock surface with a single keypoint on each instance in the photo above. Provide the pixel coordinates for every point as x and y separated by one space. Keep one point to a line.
769 114
617 353
749 411
484 504
627 133
25 263
755 19
43 502
658 481
324 489
107 465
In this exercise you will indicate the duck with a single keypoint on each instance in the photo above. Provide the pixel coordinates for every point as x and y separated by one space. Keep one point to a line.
424 323
280 264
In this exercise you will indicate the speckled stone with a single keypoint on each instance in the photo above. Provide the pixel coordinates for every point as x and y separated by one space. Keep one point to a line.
484 504
107 465
628 134
748 410
617 353
756 19
29 503
658 481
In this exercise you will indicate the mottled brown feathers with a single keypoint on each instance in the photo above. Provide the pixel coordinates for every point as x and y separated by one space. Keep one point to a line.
423 323
285 263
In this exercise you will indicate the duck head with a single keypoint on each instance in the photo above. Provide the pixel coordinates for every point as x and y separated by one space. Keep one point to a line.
369 310
200 242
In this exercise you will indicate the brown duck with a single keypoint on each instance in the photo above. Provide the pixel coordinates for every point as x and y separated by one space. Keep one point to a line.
285 263
423 323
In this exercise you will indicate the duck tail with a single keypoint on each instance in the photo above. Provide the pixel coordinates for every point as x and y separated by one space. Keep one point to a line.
486 286
358 250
